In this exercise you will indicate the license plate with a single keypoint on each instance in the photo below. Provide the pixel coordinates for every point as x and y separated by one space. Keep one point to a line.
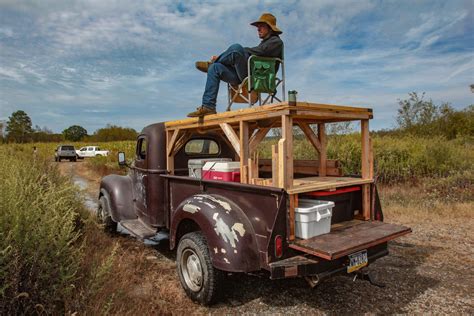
357 260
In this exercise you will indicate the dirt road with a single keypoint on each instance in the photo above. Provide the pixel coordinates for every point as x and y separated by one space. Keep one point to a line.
430 270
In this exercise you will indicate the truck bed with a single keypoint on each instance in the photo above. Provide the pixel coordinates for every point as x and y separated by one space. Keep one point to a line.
348 237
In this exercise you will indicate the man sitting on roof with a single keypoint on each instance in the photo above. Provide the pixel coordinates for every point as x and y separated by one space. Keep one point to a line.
231 65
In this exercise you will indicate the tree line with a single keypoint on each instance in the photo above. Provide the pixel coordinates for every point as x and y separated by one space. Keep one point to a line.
18 129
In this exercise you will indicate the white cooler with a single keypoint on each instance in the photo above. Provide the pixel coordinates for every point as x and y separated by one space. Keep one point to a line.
313 218
195 165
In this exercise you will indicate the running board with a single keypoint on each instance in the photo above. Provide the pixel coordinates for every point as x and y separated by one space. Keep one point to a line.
137 228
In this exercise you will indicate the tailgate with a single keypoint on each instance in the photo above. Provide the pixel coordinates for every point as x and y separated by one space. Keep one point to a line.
348 237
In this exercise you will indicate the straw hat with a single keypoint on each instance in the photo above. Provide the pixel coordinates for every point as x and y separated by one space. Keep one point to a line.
270 20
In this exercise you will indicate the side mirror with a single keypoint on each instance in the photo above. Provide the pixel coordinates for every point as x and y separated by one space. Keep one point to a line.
121 159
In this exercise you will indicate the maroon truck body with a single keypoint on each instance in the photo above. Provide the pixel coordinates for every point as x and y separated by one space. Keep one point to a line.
240 222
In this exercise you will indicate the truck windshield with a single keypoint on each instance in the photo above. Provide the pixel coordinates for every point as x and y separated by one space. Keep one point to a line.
67 148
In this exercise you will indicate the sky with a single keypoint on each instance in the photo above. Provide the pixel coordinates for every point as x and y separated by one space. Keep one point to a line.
131 63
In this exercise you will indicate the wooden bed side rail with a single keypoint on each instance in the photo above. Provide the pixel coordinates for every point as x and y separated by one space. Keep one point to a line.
305 167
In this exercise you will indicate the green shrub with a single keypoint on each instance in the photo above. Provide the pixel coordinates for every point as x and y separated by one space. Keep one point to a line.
39 250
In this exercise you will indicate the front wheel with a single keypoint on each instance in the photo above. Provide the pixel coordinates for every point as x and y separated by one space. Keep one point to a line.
104 217
200 280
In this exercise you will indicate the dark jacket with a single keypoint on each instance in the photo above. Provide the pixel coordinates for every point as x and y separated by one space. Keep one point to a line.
271 46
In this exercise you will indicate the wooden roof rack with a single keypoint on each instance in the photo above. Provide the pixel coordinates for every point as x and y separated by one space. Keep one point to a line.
246 128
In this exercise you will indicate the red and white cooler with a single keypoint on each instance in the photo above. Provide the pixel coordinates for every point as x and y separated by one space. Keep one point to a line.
222 171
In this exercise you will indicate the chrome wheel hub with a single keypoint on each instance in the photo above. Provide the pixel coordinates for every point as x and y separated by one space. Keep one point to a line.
192 270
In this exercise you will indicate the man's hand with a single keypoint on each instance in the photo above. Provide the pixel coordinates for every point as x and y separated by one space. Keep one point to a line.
214 58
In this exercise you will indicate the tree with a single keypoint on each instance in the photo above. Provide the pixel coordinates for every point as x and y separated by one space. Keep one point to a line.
114 133
19 127
74 133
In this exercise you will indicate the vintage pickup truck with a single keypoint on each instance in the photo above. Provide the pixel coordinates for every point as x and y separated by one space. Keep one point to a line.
253 225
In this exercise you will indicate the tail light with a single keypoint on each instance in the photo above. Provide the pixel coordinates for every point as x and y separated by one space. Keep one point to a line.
278 246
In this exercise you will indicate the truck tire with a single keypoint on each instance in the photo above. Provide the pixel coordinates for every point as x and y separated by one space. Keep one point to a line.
104 217
74 159
200 280
59 159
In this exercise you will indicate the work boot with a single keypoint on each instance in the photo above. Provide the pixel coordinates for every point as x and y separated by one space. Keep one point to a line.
203 65
202 111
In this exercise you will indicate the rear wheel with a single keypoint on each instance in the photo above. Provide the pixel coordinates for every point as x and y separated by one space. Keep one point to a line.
74 159
104 217
200 280
59 158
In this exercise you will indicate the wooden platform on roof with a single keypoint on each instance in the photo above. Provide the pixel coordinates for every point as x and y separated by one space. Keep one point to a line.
349 237
302 112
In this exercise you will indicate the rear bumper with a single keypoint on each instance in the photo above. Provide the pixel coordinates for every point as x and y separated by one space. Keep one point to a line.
301 266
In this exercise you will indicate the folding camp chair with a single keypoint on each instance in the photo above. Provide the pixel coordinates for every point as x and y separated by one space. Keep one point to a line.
262 78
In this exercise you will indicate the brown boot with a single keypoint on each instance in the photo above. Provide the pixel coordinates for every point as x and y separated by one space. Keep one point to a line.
203 65
202 111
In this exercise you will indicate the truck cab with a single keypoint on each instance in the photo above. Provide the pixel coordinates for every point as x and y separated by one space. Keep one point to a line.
285 217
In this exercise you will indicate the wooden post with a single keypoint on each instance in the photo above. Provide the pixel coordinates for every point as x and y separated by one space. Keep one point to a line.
275 165
282 164
366 168
287 136
323 151
291 215
244 151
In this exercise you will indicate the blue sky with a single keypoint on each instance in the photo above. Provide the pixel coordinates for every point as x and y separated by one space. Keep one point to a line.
131 63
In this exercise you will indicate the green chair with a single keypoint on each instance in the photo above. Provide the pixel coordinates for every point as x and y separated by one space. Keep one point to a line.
262 79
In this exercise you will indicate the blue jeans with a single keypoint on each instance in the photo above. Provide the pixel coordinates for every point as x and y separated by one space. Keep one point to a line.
231 67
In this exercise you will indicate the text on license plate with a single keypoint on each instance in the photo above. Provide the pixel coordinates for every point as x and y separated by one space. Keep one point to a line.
357 260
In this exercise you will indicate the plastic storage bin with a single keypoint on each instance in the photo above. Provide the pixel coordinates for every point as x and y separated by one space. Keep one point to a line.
223 171
312 218
195 165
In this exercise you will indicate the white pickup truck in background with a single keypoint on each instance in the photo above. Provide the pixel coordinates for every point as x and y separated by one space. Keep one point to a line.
90 151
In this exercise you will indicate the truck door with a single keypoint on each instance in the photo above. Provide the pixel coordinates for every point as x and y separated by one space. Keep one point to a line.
140 177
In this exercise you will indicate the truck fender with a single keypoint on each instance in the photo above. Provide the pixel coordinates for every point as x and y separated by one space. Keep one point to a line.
118 192
229 233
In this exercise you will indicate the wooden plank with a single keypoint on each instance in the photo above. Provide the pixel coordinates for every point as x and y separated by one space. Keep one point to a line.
287 135
172 142
281 169
321 183
275 165
349 239
305 167
291 215
182 139
244 151
312 110
313 139
323 151
365 152
365 165
231 136
257 138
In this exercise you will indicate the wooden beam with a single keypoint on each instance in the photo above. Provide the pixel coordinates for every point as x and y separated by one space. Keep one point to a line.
231 136
287 134
257 138
323 151
182 139
172 142
244 151
282 164
275 165
291 215
169 159
313 139
366 168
